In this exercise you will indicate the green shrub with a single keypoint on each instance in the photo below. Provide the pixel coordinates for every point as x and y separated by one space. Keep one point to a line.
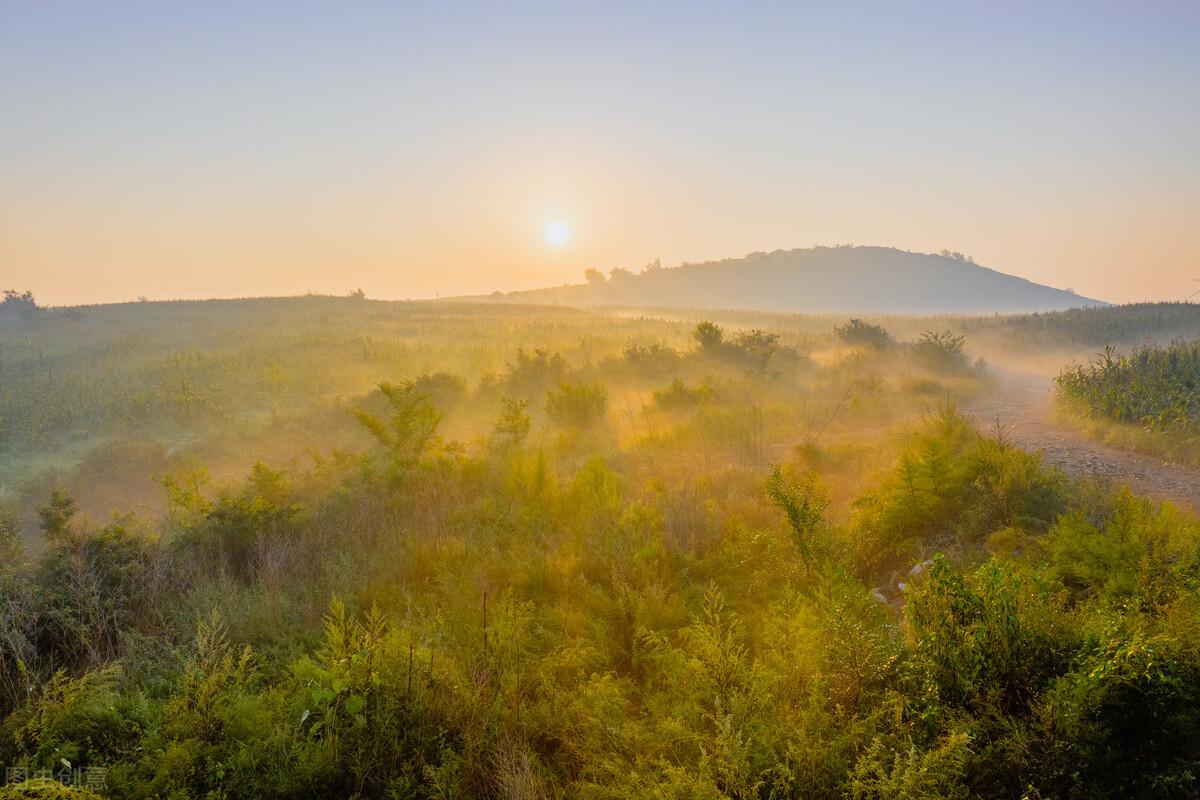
680 395
442 388
951 483
529 373
1126 720
990 639
226 540
93 587
941 351
577 405
652 360
857 333
803 503
46 789
409 428
82 722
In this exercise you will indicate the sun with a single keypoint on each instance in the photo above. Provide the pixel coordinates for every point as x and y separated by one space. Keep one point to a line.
557 232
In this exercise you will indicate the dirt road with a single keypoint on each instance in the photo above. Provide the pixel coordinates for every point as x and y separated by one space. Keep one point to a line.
1021 404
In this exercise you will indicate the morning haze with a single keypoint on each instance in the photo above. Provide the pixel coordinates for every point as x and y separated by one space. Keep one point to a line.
540 401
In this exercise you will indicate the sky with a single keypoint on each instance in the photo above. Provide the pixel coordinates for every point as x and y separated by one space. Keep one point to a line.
217 149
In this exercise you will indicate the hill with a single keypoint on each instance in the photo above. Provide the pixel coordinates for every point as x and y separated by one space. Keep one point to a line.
832 280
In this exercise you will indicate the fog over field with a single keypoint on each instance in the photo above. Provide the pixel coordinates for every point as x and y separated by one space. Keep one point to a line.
612 401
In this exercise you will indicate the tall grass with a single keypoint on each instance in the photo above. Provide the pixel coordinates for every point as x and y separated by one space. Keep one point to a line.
1156 389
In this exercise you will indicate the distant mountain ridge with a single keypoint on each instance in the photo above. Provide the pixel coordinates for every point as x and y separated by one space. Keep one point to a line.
826 280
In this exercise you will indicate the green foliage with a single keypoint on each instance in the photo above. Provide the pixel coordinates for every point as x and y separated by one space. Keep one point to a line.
1139 555
988 640
214 738
45 789
11 550
953 484
19 620
1155 387
749 349
514 423
442 388
652 360
93 587
529 373
79 722
680 395
187 504
709 336
804 504
366 723
934 774
580 405
57 514
1131 712
1131 323
941 351
409 427
756 347
646 609
857 333
228 537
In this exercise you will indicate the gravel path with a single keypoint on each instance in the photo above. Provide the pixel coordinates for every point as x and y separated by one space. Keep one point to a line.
1021 404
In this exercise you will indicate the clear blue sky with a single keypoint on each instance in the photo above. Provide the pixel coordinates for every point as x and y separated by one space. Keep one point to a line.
204 149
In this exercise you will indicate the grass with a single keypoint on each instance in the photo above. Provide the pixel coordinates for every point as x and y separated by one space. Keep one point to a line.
435 550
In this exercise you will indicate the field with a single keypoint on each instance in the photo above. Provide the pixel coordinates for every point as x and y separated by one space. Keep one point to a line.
1148 399
332 547
144 389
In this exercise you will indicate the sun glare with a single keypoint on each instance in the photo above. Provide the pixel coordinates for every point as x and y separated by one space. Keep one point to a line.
557 233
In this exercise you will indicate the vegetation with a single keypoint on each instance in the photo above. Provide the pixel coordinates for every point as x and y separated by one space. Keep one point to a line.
941 350
18 305
1156 389
606 559
1131 324
857 333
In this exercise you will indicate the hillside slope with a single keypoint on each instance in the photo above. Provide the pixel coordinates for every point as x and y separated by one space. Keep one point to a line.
823 280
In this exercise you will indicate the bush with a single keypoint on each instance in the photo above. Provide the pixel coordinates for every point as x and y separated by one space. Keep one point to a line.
579 405
442 388
803 503
652 360
680 395
751 349
988 640
84 722
951 483
709 336
409 428
18 305
45 789
934 774
93 587
857 333
19 629
1126 720
529 373
941 351
227 538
